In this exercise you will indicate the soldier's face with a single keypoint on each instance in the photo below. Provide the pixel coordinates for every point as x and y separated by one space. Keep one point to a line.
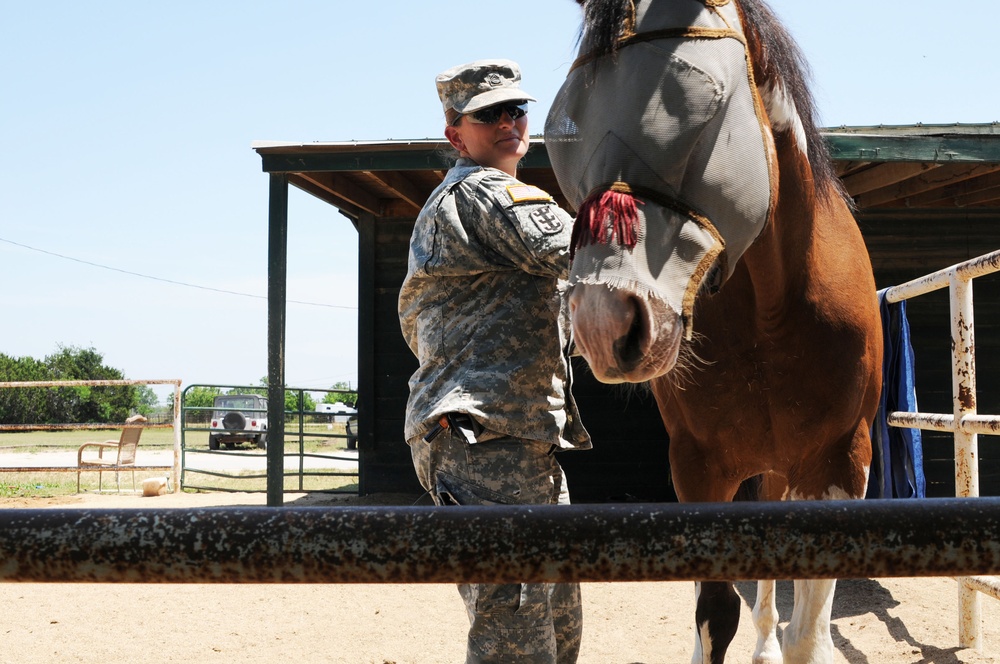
499 145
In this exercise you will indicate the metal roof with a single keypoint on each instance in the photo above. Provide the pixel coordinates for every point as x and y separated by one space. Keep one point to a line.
919 167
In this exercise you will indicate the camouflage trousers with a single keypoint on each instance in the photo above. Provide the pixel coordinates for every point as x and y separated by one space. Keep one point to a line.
530 622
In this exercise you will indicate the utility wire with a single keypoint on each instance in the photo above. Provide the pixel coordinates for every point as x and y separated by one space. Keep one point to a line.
167 281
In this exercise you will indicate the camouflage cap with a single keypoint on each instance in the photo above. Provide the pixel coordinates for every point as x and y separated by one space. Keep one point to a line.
470 87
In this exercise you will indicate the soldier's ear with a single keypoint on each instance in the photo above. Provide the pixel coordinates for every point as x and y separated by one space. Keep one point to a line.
454 137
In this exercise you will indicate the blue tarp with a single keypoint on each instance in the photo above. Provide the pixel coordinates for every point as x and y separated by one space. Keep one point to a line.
897 469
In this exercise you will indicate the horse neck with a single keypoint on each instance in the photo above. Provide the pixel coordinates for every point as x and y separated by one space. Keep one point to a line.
778 260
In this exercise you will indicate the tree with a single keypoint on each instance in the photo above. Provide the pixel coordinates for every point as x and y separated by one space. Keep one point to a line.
87 404
343 394
292 401
291 398
148 401
23 405
197 397
60 405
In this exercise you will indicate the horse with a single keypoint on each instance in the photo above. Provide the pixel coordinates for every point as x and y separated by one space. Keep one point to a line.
715 258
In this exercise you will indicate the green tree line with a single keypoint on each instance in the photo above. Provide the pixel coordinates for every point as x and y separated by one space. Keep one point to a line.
62 405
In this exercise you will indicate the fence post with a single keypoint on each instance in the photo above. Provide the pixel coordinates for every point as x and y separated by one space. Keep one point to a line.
177 438
963 347
277 268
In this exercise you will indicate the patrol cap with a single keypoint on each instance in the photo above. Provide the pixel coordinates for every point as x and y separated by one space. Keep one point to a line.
480 84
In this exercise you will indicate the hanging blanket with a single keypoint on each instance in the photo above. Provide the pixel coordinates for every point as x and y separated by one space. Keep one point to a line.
897 469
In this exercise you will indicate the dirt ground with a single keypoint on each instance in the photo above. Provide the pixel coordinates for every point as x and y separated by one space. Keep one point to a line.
875 621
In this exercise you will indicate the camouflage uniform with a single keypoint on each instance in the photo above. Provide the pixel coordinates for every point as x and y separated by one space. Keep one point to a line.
482 308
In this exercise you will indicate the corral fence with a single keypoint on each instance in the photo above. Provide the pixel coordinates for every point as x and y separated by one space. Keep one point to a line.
311 460
586 543
174 423
965 423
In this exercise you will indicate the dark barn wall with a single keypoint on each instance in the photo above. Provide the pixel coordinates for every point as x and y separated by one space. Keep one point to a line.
385 457
905 245
629 459
628 462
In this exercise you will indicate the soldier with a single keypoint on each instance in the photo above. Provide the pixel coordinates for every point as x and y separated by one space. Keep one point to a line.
483 309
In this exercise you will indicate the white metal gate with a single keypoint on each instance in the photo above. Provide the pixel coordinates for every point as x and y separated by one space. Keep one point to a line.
965 423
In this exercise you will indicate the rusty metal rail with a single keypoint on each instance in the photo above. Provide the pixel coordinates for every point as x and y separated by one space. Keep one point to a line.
78 469
655 542
104 426
988 585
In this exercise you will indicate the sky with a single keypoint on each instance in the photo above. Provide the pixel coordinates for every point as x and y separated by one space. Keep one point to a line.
133 211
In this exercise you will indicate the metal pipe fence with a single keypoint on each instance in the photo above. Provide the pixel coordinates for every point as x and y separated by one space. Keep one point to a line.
175 467
311 460
964 422
504 544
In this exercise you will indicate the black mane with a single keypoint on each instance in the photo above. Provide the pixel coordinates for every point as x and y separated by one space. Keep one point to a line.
603 23
781 59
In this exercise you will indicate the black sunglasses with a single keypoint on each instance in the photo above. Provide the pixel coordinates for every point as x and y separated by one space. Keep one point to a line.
492 114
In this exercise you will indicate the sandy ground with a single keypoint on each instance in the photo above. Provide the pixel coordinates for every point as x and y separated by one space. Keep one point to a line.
875 620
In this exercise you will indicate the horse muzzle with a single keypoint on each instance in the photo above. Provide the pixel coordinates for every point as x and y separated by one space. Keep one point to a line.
623 336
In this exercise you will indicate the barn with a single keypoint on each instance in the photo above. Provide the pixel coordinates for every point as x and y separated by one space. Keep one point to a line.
927 197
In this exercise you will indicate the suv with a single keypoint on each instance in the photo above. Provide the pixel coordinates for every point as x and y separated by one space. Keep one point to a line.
238 418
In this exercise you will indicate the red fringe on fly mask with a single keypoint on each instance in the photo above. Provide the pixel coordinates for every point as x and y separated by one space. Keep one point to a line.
605 215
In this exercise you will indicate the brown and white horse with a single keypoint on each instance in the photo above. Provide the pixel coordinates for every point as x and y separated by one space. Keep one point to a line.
716 257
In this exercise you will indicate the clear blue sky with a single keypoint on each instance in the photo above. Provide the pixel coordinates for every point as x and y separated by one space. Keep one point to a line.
125 133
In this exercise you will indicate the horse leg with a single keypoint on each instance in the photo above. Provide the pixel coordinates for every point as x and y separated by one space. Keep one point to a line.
807 638
717 606
765 609
765 618
717 615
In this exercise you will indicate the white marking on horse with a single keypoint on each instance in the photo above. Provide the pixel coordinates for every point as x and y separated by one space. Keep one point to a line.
833 492
807 638
703 646
702 637
765 618
783 114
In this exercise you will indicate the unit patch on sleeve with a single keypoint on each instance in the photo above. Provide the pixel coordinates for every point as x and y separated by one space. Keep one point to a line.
520 193
546 220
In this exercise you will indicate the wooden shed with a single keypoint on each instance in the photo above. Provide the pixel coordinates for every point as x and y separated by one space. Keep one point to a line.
927 197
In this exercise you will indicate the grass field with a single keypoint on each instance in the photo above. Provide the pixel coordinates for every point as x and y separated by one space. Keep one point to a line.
315 439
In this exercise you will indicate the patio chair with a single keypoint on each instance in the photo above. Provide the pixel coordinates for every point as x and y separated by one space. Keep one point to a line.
123 455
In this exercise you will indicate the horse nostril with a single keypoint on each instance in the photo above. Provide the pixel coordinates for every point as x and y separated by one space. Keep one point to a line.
628 348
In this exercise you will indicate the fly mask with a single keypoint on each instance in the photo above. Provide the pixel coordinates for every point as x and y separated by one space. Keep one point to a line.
663 149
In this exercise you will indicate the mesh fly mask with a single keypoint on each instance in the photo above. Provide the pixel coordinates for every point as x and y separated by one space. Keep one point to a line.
663 150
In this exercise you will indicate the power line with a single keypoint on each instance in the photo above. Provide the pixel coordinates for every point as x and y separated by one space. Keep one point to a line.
167 281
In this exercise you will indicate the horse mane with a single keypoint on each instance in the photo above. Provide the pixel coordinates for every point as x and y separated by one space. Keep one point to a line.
603 22
776 58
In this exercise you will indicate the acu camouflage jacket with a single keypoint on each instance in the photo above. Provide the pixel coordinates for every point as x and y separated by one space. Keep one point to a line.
483 309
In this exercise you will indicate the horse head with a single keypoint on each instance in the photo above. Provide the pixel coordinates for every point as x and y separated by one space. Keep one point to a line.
660 137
